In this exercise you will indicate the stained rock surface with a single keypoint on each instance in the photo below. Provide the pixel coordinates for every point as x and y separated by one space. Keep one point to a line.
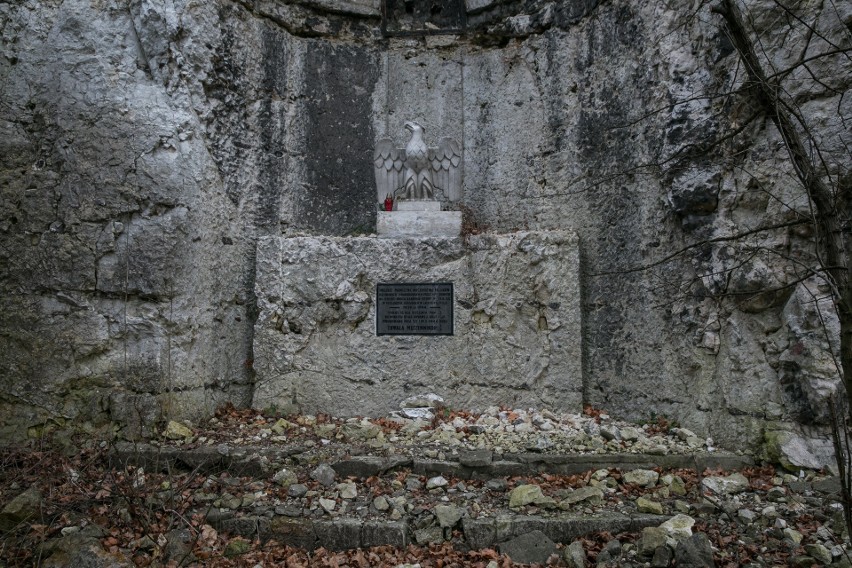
147 146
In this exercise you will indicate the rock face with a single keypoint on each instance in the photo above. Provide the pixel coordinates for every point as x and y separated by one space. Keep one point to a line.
147 151
22 508
517 320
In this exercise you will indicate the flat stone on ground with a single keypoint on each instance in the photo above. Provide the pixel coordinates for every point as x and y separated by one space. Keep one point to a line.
726 485
528 548
582 494
448 515
528 495
176 431
679 526
641 477
645 505
436 482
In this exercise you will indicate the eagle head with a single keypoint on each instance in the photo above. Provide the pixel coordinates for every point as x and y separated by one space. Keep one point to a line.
413 126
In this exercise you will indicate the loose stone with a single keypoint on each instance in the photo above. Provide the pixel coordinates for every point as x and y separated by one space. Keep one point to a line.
747 515
819 552
229 501
610 432
591 495
448 515
652 537
285 478
729 485
677 486
360 431
324 474
695 551
662 558
20 509
793 535
681 506
328 505
282 425
778 494
528 495
347 490
679 526
176 431
630 434
600 474
642 477
380 503
436 482
574 555
645 505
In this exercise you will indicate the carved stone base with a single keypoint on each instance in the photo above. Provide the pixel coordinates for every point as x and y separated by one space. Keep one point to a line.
395 224
517 323
418 205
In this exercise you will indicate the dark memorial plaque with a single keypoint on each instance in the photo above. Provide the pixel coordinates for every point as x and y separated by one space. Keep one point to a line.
414 309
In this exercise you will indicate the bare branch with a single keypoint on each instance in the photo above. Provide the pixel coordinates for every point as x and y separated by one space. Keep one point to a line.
767 96
722 239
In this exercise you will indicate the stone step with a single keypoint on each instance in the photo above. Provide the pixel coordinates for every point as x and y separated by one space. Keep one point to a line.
401 224
319 495
262 461
348 525
343 533
418 205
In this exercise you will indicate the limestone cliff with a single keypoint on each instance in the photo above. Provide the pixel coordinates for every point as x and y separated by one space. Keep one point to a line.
146 146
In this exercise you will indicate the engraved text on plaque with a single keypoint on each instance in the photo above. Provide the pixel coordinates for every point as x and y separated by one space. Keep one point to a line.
414 308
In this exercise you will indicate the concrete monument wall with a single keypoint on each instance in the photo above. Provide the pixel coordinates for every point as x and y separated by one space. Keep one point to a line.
517 337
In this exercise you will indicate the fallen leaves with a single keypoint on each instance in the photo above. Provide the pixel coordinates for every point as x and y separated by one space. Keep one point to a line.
137 509
593 412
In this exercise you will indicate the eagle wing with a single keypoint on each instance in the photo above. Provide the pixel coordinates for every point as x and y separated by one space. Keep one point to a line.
389 162
446 165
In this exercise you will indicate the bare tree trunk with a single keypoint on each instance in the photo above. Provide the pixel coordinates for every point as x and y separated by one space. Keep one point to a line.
830 218
829 212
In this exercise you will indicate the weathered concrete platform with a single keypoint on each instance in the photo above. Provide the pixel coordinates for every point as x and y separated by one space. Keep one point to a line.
516 312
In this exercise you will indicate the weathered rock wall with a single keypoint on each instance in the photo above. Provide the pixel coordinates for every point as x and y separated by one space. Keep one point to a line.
145 150
123 284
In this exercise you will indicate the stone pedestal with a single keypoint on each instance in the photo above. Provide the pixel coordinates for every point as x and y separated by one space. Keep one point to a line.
418 219
516 337
418 205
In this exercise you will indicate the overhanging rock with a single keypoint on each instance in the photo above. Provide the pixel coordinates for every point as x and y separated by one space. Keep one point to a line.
517 332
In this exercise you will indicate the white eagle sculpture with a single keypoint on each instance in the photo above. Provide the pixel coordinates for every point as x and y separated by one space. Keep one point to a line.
417 171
